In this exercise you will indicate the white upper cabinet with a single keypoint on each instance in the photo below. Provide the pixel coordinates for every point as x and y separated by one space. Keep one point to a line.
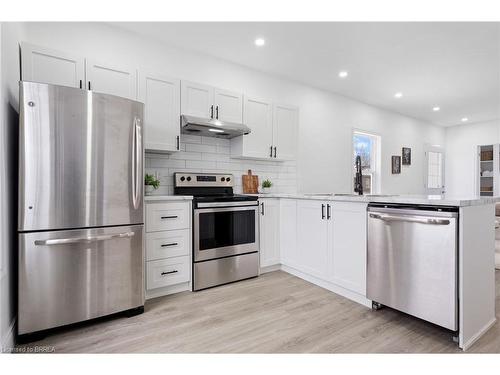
111 79
228 106
197 100
258 116
269 232
39 64
285 129
161 97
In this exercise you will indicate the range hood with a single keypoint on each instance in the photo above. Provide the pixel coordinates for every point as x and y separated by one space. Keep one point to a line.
211 127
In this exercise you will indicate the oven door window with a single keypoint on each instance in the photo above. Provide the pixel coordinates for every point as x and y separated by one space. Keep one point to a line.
226 228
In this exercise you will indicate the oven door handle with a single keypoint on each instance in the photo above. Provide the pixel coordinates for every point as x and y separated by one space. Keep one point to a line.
228 204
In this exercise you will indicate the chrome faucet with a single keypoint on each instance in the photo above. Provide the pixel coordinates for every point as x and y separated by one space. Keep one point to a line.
358 185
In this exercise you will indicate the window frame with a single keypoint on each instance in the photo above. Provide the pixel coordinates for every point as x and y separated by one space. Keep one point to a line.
375 163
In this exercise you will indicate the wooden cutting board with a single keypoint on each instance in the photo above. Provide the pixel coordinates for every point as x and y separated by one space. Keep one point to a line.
250 183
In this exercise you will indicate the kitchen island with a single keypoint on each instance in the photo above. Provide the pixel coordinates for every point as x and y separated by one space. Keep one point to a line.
322 238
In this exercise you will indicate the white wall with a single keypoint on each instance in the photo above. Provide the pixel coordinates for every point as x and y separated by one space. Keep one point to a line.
326 119
9 104
461 154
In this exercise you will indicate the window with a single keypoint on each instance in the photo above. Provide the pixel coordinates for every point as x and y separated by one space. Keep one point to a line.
434 183
367 146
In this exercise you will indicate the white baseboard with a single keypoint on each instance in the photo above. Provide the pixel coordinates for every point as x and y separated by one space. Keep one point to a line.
8 341
160 292
477 336
274 267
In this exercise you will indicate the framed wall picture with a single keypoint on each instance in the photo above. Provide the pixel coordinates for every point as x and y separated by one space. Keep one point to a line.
396 164
406 156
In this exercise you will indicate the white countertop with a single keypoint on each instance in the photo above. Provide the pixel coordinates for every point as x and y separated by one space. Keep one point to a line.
434 200
153 198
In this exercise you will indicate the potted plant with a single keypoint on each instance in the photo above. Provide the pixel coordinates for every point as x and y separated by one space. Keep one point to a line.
151 183
266 186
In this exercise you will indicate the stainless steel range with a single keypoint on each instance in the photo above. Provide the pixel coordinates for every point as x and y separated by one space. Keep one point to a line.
225 229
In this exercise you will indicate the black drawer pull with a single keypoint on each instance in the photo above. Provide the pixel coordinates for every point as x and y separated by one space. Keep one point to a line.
170 217
169 244
169 272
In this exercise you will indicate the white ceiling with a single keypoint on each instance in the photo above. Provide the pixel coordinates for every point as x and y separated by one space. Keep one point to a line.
455 66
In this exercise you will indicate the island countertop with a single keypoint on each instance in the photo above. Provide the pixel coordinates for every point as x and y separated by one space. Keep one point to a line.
431 200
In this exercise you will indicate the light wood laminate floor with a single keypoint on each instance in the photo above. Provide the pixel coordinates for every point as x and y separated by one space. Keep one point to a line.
274 313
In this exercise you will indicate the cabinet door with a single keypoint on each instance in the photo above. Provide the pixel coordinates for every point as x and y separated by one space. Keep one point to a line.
269 232
288 233
161 97
348 262
257 114
228 106
285 130
197 100
113 80
312 237
39 64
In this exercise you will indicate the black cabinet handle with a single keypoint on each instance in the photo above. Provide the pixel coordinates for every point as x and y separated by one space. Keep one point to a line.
217 112
322 212
178 143
170 217
81 84
169 272
271 154
262 205
274 151
212 111
328 214
89 86
169 244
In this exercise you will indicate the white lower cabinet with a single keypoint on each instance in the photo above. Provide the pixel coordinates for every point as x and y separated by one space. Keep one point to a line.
348 261
269 232
168 247
288 233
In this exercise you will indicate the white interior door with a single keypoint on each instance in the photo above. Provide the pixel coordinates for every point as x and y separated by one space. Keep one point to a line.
285 129
197 100
110 79
434 172
228 106
161 97
257 115
44 65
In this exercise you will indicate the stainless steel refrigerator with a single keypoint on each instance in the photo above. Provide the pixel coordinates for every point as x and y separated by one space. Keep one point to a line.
80 206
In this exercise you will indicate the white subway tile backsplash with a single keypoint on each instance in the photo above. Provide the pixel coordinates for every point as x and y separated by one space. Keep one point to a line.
212 155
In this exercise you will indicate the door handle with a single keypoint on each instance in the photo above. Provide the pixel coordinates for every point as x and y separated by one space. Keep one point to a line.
178 143
212 111
217 112
169 217
89 86
271 154
408 219
65 241
136 163
169 272
322 212
274 151
169 244
328 213
81 84
262 205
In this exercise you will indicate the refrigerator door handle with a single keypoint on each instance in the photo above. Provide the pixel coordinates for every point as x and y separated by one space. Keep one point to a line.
65 241
136 162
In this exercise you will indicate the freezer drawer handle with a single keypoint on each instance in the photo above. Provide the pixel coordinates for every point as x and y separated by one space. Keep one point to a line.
169 244
170 217
410 219
169 272
64 241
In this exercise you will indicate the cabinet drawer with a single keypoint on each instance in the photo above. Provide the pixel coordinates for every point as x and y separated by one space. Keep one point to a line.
165 272
167 216
168 244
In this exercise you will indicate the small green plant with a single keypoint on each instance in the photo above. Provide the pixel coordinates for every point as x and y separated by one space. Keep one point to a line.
149 179
267 184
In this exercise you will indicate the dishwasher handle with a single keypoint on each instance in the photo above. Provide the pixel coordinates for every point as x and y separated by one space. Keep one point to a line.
410 219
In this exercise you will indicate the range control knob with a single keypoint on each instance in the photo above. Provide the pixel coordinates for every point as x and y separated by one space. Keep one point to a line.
183 178
228 179
223 179
189 178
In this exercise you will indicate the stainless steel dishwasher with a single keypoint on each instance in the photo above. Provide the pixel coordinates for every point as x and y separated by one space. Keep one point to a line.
412 261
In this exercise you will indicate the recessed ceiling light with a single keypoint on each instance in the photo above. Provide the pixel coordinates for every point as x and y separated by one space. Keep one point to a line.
436 109
465 119
259 42
343 74
398 95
